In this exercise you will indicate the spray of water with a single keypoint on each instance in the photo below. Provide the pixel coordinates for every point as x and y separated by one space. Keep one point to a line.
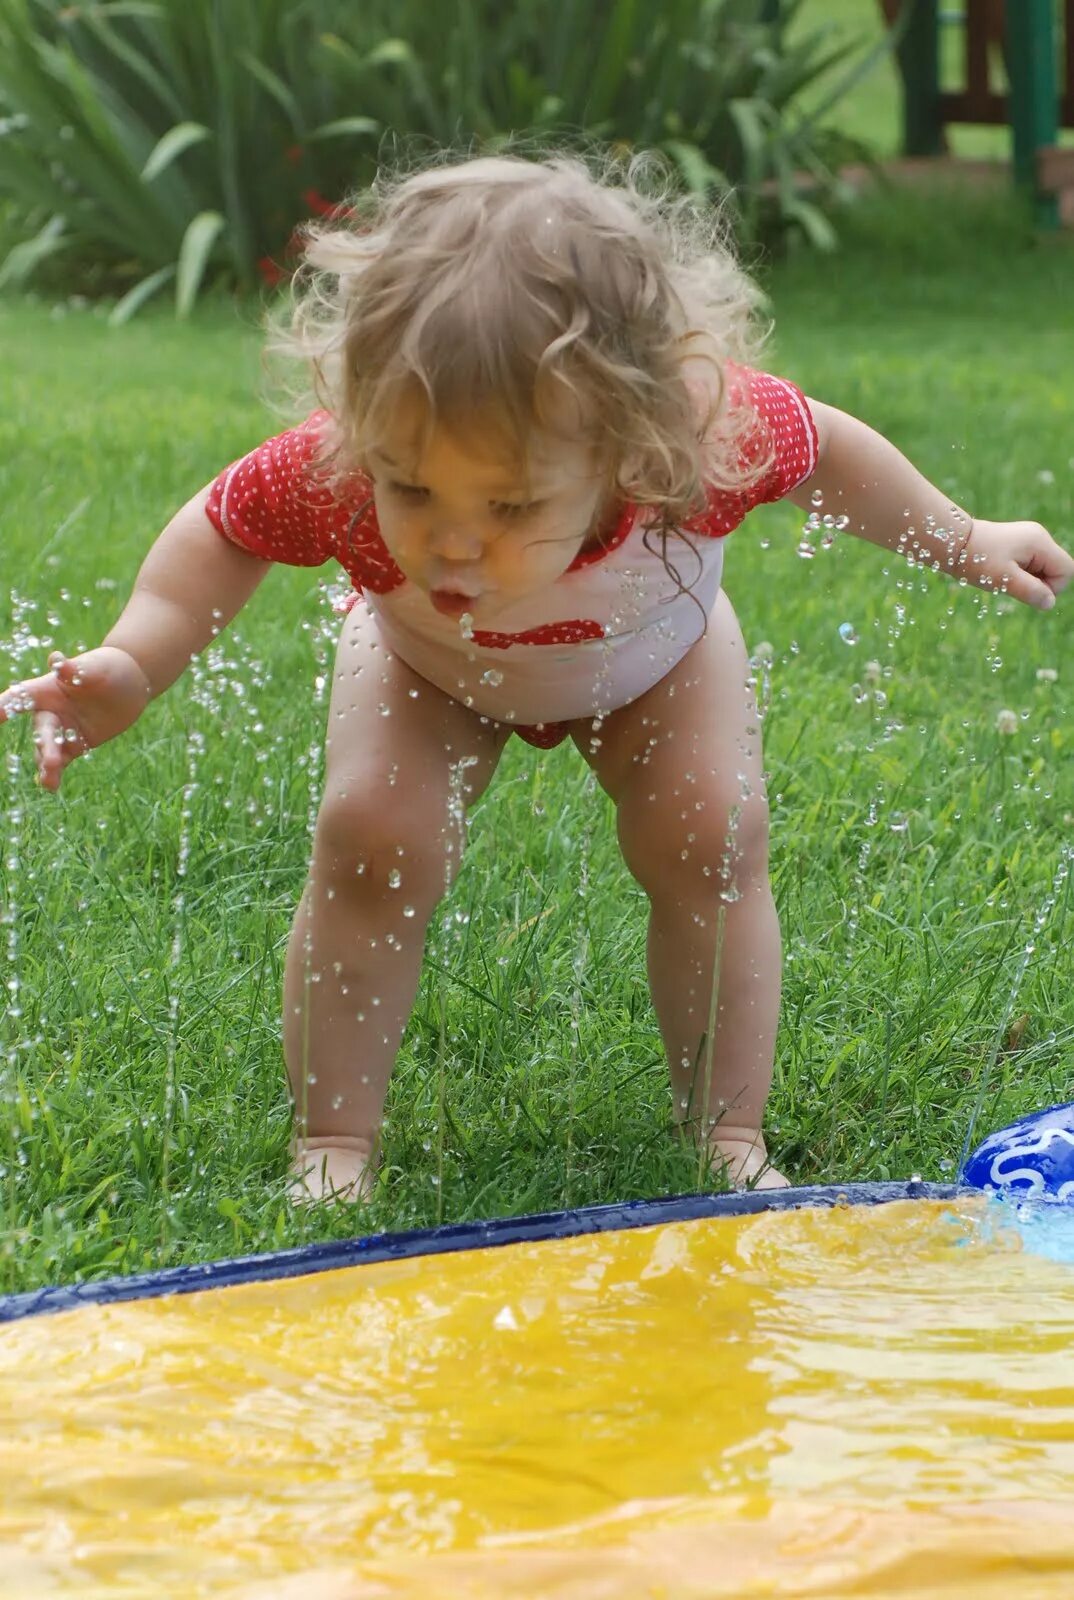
195 749
21 652
579 969
453 925
1040 921
323 630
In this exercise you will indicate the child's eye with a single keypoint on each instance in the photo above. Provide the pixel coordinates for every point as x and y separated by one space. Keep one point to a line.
410 491
509 512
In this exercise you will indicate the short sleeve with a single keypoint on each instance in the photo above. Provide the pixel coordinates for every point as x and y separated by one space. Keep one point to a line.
785 422
268 504
782 427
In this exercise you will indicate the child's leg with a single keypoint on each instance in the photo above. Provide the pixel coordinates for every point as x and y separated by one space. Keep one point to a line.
683 765
402 760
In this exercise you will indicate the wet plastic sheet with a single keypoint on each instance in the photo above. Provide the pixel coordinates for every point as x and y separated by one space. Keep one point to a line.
854 1402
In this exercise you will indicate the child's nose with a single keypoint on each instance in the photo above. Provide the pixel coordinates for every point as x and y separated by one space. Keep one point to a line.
455 541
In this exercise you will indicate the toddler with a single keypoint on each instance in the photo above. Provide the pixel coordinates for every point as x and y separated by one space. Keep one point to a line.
539 414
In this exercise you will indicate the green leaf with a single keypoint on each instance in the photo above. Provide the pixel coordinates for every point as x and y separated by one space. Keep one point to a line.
135 59
616 42
697 170
194 254
131 8
21 261
390 52
814 224
174 142
135 298
275 86
747 117
345 126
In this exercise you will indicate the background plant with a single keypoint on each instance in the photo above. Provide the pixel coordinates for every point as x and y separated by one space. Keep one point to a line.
155 143
152 141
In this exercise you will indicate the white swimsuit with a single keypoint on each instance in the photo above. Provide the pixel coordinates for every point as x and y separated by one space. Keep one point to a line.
596 638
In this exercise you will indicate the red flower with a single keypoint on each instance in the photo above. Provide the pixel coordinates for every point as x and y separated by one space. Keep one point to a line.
271 272
317 202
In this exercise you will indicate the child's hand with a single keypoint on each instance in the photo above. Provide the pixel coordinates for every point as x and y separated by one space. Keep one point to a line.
78 705
1020 558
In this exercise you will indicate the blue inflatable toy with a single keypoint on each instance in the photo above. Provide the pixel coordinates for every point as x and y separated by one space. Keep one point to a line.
1033 1157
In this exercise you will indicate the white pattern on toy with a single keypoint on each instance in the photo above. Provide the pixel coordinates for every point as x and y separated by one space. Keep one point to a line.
1030 1175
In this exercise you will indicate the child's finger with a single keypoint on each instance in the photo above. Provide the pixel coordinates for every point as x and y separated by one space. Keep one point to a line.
1045 558
48 749
49 692
71 673
1032 591
16 701
1061 568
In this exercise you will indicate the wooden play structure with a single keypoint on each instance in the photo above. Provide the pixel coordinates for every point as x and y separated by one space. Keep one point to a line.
1037 39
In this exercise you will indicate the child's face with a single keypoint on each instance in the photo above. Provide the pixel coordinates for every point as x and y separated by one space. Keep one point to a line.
464 526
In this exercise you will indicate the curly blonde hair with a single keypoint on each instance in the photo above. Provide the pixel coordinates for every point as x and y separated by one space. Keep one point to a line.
492 287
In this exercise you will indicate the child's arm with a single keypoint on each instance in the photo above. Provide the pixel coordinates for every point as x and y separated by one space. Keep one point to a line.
189 587
862 476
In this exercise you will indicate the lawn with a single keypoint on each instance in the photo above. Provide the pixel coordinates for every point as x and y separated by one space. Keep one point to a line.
919 856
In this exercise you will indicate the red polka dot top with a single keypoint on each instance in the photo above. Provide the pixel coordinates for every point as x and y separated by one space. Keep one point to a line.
608 628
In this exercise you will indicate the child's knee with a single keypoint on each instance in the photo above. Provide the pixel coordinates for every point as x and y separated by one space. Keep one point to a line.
716 840
376 844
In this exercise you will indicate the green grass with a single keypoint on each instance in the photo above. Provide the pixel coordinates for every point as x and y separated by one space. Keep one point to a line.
943 324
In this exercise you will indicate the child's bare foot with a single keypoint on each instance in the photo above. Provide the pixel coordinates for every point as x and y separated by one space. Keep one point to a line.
332 1167
745 1158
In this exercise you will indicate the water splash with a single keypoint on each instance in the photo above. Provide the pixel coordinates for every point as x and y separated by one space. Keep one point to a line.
1042 1225
1040 922
325 630
579 969
21 653
195 749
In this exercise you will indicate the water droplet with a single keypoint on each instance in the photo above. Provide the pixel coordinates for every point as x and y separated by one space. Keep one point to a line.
848 633
395 878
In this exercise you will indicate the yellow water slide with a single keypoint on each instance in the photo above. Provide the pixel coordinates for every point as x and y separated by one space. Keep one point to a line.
855 1401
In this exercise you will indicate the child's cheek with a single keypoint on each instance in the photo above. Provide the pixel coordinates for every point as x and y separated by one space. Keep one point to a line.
400 538
520 562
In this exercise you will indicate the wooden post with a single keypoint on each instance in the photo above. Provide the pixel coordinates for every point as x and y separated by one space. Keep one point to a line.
919 67
1031 57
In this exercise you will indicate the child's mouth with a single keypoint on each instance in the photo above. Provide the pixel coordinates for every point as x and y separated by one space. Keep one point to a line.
450 603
